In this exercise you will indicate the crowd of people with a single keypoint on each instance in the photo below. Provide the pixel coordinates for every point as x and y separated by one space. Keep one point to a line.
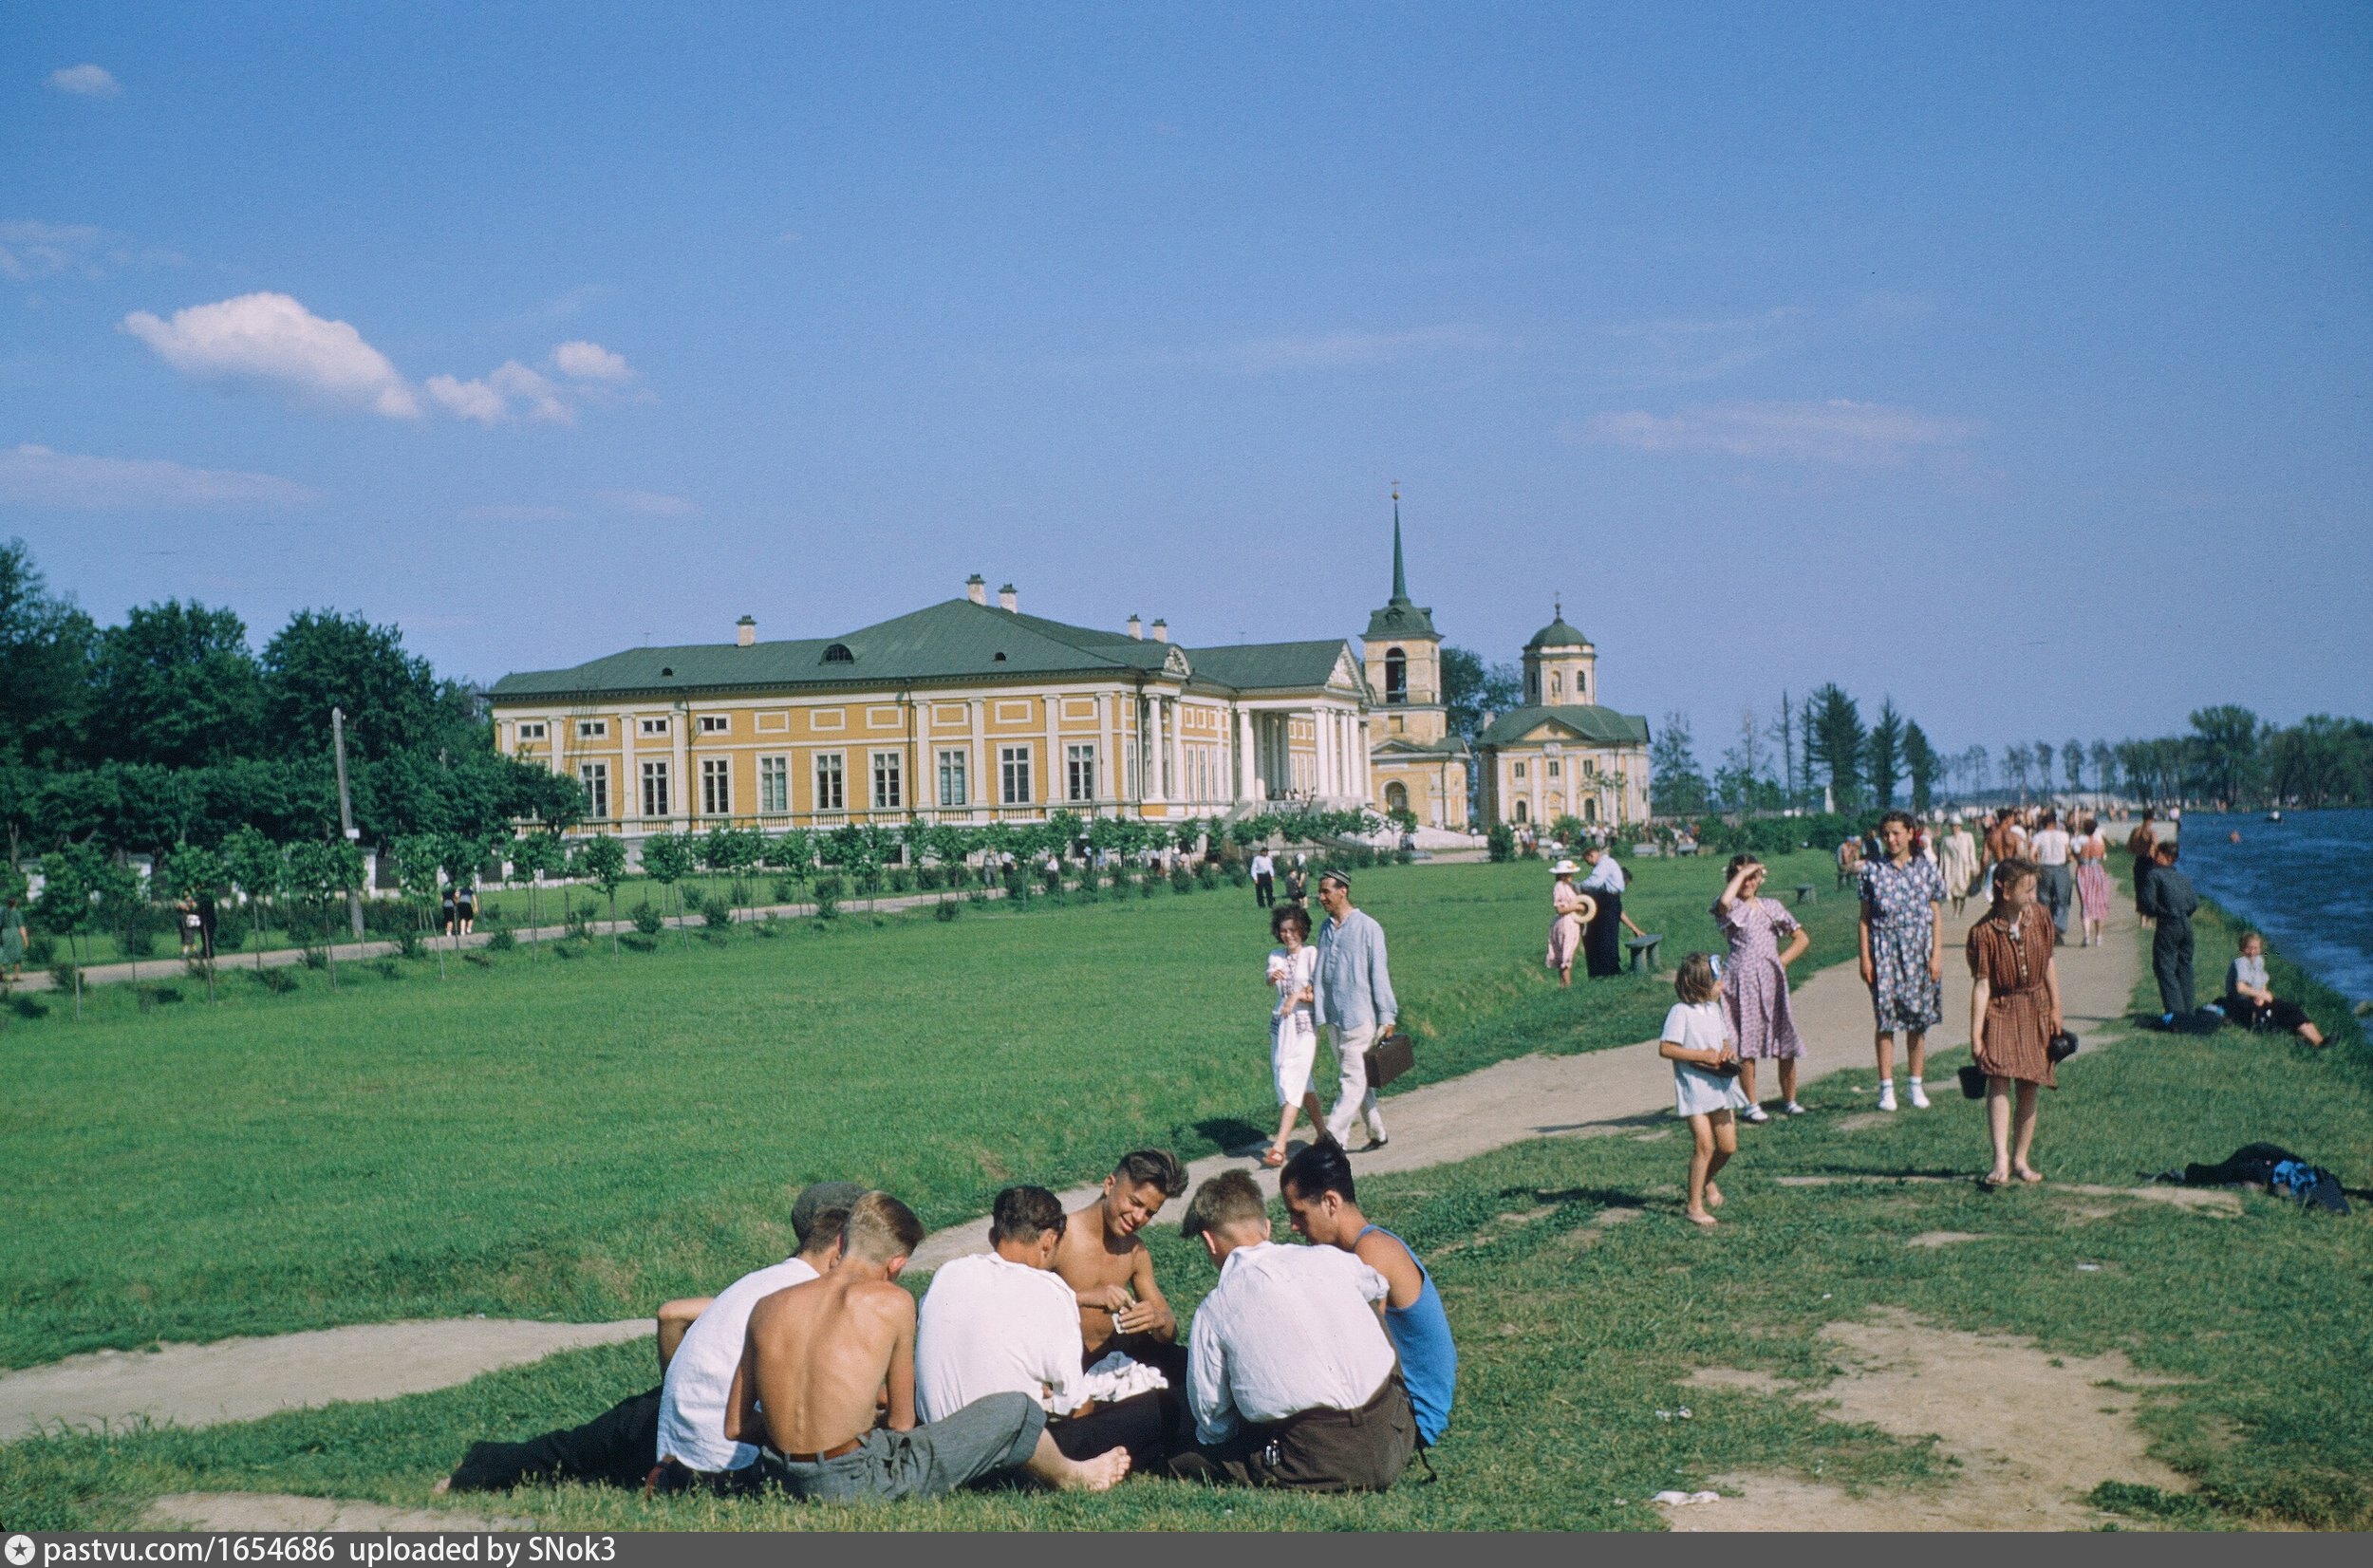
1052 1357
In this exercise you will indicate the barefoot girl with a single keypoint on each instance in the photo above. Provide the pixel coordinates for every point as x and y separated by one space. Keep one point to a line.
1755 986
1704 1087
2014 1010
1293 1026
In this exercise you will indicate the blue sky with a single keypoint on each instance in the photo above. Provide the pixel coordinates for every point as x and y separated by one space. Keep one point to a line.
2011 362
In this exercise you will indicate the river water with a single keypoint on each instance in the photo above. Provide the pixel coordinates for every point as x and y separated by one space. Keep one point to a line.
2305 881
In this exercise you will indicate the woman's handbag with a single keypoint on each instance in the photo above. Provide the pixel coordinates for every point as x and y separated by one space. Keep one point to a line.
2061 1047
1974 1082
1389 1057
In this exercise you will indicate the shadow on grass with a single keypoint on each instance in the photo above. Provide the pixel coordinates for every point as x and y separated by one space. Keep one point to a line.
1232 1135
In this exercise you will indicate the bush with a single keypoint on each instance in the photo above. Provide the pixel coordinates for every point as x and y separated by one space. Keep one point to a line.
1016 888
1208 875
647 921
315 957
1090 893
930 878
1238 876
832 884
694 904
230 936
502 940
62 976
388 969
1182 879
769 928
900 880
828 898
408 941
276 979
580 925
782 889
718 915
946 909
41 949
1144 884
1500 844
138 940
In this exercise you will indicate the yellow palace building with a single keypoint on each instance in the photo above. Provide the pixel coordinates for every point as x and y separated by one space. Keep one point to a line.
964 711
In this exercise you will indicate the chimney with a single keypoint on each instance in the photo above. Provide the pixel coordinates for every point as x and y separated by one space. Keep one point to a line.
976 589
745 633
1008 599
1136 629
1160 631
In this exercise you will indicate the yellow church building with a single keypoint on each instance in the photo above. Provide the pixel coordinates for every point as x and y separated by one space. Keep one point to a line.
1563 753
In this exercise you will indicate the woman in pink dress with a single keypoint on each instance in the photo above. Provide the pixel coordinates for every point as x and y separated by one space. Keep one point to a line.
1570 910
1755 989
2092 879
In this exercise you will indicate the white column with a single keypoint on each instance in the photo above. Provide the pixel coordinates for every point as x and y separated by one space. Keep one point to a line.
1056 783
681 763
629 804
1178 750
1156 758
1324 783
1107 760
1244 755
979 786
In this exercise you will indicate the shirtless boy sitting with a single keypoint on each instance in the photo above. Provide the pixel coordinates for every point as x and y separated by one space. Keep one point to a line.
1111 1273
823 1359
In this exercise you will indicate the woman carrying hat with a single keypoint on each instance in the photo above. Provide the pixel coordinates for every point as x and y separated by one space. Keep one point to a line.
1574 909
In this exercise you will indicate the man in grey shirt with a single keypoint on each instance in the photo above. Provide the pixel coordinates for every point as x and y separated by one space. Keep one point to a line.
1353 996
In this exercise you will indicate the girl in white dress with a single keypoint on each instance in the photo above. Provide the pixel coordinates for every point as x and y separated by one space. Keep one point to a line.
1293 1025
1706 1086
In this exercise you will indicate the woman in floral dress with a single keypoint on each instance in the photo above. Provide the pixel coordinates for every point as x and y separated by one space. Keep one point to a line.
1903 955
1755 989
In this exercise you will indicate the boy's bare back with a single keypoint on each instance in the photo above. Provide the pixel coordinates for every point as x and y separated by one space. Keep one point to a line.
821 1359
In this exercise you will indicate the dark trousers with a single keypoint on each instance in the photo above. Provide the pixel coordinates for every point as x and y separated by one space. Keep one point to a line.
1153 1425
2277 1014
1361 1450
1264 890
2170 964
1602 940
619 1446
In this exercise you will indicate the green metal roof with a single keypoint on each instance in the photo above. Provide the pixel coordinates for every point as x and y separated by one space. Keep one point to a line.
1400 621
1401 745
1589 723
954 639
1556 634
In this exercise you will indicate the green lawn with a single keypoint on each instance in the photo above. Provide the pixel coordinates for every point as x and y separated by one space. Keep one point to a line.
1573 1334
585 1136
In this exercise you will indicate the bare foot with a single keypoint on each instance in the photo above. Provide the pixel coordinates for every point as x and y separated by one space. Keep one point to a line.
2029 1174
442 1486
1713 1196
1100 1474
1995 1178
1699 1217
1274 1158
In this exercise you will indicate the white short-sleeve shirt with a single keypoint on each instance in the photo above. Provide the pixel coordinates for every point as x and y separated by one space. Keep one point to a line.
692 1398
991 1326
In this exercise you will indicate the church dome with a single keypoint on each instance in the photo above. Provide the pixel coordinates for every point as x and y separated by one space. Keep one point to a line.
1556 634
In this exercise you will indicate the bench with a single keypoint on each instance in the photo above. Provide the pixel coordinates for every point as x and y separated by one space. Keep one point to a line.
1805 893
1644 948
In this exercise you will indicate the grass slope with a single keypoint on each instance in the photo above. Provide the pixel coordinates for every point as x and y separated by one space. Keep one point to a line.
583 1137
1574 1334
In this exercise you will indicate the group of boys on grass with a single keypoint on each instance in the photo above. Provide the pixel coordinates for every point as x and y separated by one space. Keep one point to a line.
1053 1356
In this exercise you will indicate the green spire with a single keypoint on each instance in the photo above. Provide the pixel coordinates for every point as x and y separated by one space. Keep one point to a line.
1399 617
1400 578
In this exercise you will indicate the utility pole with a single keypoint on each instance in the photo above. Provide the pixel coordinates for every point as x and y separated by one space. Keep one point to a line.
346 815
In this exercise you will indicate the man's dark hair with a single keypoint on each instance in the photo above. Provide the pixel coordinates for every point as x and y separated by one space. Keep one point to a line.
1226 1200
1321 1168
1023 1214
1152 1167
830 1223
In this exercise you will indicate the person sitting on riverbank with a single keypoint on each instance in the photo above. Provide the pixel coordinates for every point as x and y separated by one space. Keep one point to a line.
673 1436
1292 1378
827 1384
1111 1273
2249 998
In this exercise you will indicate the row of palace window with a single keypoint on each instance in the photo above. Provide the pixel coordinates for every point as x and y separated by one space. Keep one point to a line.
1590 765
888 781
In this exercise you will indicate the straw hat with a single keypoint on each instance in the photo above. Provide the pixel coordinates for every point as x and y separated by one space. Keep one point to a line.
1563 869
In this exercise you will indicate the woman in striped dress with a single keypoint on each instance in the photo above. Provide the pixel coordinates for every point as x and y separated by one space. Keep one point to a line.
2092 879
2014 1010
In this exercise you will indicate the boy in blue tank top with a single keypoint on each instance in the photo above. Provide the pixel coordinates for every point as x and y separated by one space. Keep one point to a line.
1317 1185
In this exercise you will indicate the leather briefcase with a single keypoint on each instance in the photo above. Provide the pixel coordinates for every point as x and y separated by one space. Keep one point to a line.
1389 1057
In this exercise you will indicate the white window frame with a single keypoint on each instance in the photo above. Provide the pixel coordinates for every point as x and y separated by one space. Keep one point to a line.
1013 775
652 726
717 786
1520 770
1553 768
530 729
594 776
592 729
655 788
775 785
716 724
955 768
1079 770
888 780
831 782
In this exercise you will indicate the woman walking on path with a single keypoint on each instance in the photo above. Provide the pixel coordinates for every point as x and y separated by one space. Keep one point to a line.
1293 1025
1903 954
1572 910
12 937
2055 883
1603 939
2014 1010
2092 878
1957 860
1755 986
1705 1084
2141 844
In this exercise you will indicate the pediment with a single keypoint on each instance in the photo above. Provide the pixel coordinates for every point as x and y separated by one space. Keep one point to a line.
1174 663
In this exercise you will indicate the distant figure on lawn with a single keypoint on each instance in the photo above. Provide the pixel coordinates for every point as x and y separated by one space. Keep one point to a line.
1003 1321
448 922
1292 972
1903 954
465 909
1264 879
2014 1010
1297 883
1957 859
1105 1263
13 939
2169 904
2056 881
1292 1379
673 1438
1755 990
1570 912
1603 941
1354 1001
2092 878
827 1385
1320 1198
1706 1087
2249 998
2142 844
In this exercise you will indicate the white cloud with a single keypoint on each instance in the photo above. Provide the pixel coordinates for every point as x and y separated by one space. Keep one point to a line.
515 513
86 81
271 338
591 361
1341 350
492 400
31 250
469 400
35 475
1839 430
649 503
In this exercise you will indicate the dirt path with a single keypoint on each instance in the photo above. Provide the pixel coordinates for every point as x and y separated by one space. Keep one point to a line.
1529 1098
